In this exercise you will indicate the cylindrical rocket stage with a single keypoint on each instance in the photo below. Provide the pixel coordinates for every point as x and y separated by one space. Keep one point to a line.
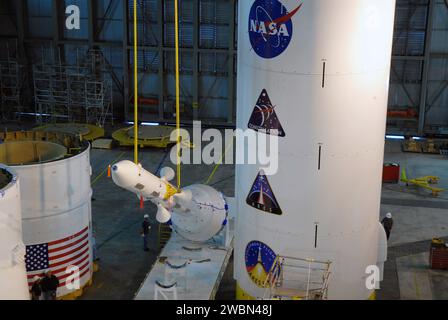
12 250
315 73
54 171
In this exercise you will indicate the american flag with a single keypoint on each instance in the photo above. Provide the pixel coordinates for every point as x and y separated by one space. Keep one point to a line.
58 255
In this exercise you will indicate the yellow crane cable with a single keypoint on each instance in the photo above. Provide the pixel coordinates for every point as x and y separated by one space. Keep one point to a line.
135 85
176 36
230 144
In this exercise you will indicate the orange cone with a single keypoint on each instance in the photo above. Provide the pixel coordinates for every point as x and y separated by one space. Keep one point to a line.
108 172
142 203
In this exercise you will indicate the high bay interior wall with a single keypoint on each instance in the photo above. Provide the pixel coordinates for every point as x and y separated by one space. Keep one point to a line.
418 99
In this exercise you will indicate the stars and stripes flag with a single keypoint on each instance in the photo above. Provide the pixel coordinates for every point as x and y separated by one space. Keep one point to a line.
58 255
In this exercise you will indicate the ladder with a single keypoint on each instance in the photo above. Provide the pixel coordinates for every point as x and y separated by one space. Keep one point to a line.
165 232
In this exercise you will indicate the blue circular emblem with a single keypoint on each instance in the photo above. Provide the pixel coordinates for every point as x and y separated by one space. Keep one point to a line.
270 27
260 259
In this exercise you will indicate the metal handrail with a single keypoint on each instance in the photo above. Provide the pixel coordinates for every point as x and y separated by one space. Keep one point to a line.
275 277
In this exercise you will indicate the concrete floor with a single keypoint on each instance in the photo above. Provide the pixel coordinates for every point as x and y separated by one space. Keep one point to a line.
123 265
418 217
117 218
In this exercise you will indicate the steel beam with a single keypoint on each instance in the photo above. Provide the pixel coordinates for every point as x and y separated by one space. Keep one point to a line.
110 10
56 21
22 24
412 58
437 96
426 68
126 67
161 53
196 59
231 63
91 21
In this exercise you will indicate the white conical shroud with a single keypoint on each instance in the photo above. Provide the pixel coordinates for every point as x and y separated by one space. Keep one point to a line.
183 199
163 215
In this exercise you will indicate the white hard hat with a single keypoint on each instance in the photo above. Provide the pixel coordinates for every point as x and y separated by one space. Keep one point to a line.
36 278
389 215
146 216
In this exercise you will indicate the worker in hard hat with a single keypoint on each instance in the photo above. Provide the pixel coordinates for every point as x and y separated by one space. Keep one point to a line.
146 226
388 223
36 290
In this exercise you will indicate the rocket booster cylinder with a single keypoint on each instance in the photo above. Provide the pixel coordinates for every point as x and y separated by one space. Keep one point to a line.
135 179
315 73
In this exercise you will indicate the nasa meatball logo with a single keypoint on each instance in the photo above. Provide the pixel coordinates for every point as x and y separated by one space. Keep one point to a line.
270 27
261 196
264 118
259 260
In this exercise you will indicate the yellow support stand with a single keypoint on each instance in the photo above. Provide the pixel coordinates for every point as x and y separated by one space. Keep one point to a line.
93 133
164 234
124 140
372 296
423 182
241 295
76 294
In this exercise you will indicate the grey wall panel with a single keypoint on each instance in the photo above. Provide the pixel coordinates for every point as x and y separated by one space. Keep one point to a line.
206 53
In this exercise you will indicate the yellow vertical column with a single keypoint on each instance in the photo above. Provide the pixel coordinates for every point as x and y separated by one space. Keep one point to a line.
135 85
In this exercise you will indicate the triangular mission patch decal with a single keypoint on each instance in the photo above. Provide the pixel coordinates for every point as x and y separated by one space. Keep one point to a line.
264 118
262 197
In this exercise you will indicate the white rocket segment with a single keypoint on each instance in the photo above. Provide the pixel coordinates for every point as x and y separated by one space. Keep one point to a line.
205 218
167 173
183 199
197 212
134 178
324 73
163 215
12 250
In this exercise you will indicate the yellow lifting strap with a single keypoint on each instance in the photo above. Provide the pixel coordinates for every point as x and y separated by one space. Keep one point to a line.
176 36
135 85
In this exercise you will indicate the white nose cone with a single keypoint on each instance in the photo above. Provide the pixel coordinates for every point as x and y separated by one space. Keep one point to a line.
124 174
163 215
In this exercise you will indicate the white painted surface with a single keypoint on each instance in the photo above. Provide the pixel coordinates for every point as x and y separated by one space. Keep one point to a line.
347 117
412 224
197 281
414 277
198 212
12 266
382 249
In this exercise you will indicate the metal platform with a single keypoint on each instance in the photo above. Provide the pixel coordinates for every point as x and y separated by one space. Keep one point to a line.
156 137
87 131
188 271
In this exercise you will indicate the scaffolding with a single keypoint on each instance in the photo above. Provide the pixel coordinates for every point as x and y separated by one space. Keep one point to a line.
12 79
297 279
73 93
